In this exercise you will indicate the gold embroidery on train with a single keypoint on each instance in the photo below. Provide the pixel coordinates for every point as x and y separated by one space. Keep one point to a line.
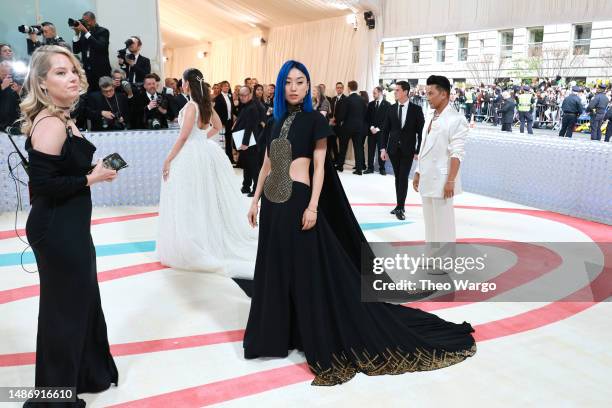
390 362
279 185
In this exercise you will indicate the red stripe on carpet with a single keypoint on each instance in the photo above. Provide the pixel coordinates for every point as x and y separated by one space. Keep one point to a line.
11 233
11 295
226 390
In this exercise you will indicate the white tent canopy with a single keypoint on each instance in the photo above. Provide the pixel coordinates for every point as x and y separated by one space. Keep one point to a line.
218 38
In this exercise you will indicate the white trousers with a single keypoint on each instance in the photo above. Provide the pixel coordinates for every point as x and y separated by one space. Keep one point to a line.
439 215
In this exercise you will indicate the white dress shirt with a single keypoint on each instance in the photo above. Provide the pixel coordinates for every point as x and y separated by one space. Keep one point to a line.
404 111
229 105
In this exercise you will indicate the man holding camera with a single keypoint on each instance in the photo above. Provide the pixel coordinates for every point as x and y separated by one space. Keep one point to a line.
107 109
10 91
91 41
135 65
151 106
49 36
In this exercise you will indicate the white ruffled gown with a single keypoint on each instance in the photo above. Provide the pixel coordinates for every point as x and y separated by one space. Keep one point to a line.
202 215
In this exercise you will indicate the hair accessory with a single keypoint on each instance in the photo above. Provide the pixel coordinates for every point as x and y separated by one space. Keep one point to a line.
201 81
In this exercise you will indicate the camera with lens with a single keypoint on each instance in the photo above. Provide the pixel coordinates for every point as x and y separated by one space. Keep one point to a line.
113 124
75 23
162 101
35 29
154 124
123 53
127 88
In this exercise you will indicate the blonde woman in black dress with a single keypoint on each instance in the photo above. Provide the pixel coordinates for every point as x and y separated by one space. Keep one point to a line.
72 347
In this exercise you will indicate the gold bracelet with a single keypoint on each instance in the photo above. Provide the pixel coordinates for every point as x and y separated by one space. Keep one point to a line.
448 181
314 211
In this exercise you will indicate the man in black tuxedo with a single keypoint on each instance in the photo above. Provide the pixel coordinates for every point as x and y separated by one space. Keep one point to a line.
375 118
92 41
350 114
151 106
108 110
332 141
248 120
223 107
177 103
402 134
136 66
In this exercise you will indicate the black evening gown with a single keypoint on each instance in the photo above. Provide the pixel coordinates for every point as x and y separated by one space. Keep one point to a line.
72 347
306 288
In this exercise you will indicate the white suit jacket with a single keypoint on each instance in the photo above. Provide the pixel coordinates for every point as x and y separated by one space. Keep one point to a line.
446 140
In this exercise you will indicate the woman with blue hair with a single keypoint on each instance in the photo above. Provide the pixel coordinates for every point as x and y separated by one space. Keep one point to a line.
306 288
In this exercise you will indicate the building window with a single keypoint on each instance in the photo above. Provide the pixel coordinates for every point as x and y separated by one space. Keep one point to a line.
506 40
582 39
441 49
416 51
536 37
462 47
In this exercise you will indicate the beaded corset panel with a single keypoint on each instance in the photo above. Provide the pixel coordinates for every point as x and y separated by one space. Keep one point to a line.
278 185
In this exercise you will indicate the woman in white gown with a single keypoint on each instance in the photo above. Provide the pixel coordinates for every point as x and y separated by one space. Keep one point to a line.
201 212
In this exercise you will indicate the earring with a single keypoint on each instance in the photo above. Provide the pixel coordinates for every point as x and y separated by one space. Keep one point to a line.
45 91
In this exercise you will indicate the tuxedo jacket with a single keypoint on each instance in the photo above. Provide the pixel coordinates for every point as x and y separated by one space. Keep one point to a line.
333 103
94 51
249 119
143 114
96 103
177 103
221 108
445 140
350 114
135 73
405 140
376 116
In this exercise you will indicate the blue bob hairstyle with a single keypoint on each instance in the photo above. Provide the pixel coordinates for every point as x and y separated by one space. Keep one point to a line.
280 103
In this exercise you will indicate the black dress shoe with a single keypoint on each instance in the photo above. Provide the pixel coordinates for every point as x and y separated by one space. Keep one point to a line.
358 172
368 171
383 172
393 211
245 190
251 194
400 214
340 169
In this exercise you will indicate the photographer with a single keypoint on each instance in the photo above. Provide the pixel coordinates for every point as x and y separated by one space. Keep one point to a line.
49 36
108 110
151 105
135 65
6 53
10 91
91 41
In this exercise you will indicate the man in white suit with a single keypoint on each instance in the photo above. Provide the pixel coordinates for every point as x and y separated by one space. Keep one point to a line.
437 176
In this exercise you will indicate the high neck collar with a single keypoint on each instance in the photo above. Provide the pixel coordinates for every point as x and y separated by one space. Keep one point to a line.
295 108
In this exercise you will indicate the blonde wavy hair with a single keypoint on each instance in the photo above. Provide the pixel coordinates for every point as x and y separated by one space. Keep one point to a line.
36 99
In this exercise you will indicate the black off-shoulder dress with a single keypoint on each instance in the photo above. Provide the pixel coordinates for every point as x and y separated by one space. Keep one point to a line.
306 289
72 347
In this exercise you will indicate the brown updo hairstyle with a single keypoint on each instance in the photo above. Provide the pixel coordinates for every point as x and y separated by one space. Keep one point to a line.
200 92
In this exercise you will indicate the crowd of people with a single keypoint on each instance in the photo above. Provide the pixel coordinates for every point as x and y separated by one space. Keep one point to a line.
539 105
131 97
308 245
